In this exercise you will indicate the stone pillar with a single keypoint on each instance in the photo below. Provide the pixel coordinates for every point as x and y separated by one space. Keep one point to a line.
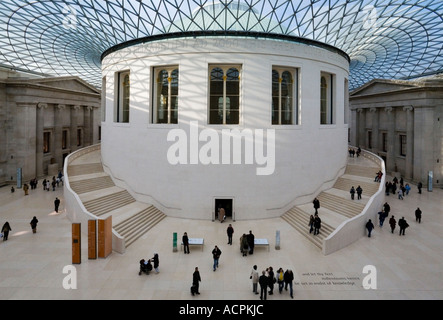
423 143
409 141
25 140
354 127
375 130
87 126
390 156
58 133
74 125
361 134
40 122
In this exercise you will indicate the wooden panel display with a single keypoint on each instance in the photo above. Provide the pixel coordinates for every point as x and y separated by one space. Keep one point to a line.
76 243
92 239
104 237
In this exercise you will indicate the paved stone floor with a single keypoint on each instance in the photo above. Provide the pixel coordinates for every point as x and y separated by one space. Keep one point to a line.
407 267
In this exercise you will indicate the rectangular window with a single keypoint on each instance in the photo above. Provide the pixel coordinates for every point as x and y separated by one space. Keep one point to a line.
284 96
370 139
385 142
122 101
327 97
103 98
224 94
165 103
79 138
65 139
46 142
99 133
403 145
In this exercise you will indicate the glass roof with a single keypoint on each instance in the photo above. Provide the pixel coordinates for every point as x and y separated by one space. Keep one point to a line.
394 39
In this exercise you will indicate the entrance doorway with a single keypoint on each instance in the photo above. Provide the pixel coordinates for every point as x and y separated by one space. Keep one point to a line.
227 204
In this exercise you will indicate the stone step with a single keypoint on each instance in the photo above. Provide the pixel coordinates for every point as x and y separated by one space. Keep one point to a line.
346 207
362 171
89 185
105 204
369 188
81 169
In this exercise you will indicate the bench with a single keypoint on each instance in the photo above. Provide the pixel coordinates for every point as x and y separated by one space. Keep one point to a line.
195 242
261 243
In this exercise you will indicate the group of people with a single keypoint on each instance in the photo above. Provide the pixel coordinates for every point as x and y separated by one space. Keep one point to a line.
357 190
402 223
4 232
353 152
402 189
314 220
247 243
146 265
268 279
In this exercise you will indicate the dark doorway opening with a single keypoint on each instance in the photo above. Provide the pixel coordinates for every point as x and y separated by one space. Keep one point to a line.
227 205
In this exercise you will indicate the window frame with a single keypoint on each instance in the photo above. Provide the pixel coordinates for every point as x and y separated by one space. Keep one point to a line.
170 109
121 115
294 107
327 112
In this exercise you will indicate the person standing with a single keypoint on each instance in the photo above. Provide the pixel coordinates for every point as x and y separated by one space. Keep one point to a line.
5 230
254 277
156 262
263 281
26 189
251 242
230 232
221 215
288 278
311 223
403 225
369 227
359 192
185 241
418 215
216 252
316 203
381 218
419 186
392 223
280 279
352 192
33 224
271 280
244 245
56 204
196 282
317 224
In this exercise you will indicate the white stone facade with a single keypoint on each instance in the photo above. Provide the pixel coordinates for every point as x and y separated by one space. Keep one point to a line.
308 155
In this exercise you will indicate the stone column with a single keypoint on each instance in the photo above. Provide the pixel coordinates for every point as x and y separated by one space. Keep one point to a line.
40 122
58 133
74 124
375 130
354 127
361 141
390 156
423 143
409 141
87 126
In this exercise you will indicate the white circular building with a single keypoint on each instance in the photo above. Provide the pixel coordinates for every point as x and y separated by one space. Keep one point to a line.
252 122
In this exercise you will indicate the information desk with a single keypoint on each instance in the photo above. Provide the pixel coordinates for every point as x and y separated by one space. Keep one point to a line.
195 242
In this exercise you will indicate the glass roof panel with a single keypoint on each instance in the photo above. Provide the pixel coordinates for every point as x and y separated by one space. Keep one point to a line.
397 39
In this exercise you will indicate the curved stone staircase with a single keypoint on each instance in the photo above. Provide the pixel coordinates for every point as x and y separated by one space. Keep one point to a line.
102 198
336 205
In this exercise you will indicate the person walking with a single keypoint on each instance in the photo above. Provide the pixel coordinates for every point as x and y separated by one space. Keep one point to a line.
288 278
418 215
185 241
369 227
56 204
244 245
5 230
280 279
359 192
317 224
316 203
419 186
311 223
33 224
254 277
271 280
381 218
26 189
403 225
352 192
196 279
392 223
216 252
251 242
230 232
156 261
400 193
263 281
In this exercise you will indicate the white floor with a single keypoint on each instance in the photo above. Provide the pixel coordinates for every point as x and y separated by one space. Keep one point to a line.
407 267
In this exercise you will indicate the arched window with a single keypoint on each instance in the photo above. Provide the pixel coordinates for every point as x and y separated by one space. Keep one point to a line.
327 111
165 106
284 93
224 98
121 114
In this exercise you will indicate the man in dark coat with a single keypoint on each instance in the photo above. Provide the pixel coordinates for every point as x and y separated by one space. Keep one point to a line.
369 226
195 282
317 224
403 225
392 223
56 204
185 241
418 215
230 232
316 203
251 242
263 281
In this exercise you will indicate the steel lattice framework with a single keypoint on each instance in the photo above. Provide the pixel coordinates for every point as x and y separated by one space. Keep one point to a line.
395 39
